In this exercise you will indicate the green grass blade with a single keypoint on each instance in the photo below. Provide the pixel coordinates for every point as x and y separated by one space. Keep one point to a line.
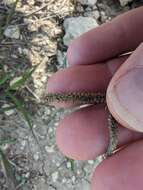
27 74
20 106
21 82
1 66
4 78
8 171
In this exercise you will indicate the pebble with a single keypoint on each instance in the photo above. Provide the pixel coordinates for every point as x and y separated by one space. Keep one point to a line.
12 31
124 2
49 149
68 164
55 176
90 162
72 29
36 156
8 112
88 2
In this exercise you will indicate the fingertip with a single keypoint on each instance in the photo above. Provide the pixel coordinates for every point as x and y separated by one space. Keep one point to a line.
121 171
78 136
125 92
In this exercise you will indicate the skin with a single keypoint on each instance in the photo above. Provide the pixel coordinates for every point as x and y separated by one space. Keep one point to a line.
95 65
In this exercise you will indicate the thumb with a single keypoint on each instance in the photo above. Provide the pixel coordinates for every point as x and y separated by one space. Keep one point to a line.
125 92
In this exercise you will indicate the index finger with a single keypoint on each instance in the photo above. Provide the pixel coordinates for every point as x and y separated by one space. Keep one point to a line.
121 35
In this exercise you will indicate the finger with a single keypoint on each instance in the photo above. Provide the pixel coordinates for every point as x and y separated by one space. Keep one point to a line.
125 92
92 78
83 135
121 35
122 171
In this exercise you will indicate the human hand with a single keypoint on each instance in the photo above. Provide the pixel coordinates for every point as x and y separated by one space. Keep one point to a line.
83 135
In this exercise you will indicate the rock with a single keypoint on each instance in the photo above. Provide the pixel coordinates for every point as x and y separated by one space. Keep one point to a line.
36 156
12 31
87 2
49 149
8 112
75 26
124 2
62 60
89 13
69 165
90 162
55 176
9 2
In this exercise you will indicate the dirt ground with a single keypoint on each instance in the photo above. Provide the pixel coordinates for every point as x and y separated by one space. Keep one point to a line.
38 40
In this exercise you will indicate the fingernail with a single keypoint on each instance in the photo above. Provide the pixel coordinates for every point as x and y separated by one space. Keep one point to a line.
125 95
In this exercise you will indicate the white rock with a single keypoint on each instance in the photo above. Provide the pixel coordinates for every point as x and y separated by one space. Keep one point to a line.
49 149
90 162
73 179
87 2
12 31
36 156
75 26
8 112
23 144
55 176
61 57
69 165
124 2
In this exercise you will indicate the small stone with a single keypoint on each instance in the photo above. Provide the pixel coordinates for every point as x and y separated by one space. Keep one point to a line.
31 2
36 156
49 149
12 31
34 126
56 124
94 14
88 2
23 144
14 56
73 179
90 162
32 27
8 112
55 176
75 26
61 57
58 164
69 165
51 130
64 180
27 175
23 51
48 111
124 2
